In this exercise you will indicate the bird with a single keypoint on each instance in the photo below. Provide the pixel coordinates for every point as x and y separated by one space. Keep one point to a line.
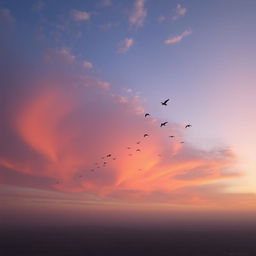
188 125
163 124
104 163
146 135
147 114
171 136
109 155
165 102
138 150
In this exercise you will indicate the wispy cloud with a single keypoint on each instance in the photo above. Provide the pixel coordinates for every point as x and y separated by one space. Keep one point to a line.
125 45
176 39
138 15
179 12
105 3
87 64
161 18
62 54
6 17
80 15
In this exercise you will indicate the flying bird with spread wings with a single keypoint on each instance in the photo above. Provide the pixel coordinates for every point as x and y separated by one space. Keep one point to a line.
163 124
146 135
172 136
188 125
165 102
147 114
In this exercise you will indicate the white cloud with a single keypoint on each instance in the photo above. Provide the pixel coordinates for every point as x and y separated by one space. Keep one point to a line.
87 64
80 15
125 45
178 38
179 12
6 17
138 14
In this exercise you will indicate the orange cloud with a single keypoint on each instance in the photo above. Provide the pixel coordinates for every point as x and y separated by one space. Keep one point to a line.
56 136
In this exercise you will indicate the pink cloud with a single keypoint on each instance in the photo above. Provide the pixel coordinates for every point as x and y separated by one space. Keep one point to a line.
138 15
176 39
125 45
58 125
80 15
179 12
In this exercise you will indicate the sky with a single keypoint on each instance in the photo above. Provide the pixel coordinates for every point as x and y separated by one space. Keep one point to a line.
77 78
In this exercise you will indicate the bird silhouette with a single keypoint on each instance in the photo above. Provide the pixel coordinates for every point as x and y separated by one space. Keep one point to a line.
104 163
146 135
171 136
188 125
147 114
109 155
163 124
165 102
138 150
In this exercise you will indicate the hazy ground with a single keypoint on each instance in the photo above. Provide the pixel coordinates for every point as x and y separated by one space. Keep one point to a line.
128 241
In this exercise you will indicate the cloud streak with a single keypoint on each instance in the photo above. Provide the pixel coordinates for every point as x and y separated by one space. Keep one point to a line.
178 38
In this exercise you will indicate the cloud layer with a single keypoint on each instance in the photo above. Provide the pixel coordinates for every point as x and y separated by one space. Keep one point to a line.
59 125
